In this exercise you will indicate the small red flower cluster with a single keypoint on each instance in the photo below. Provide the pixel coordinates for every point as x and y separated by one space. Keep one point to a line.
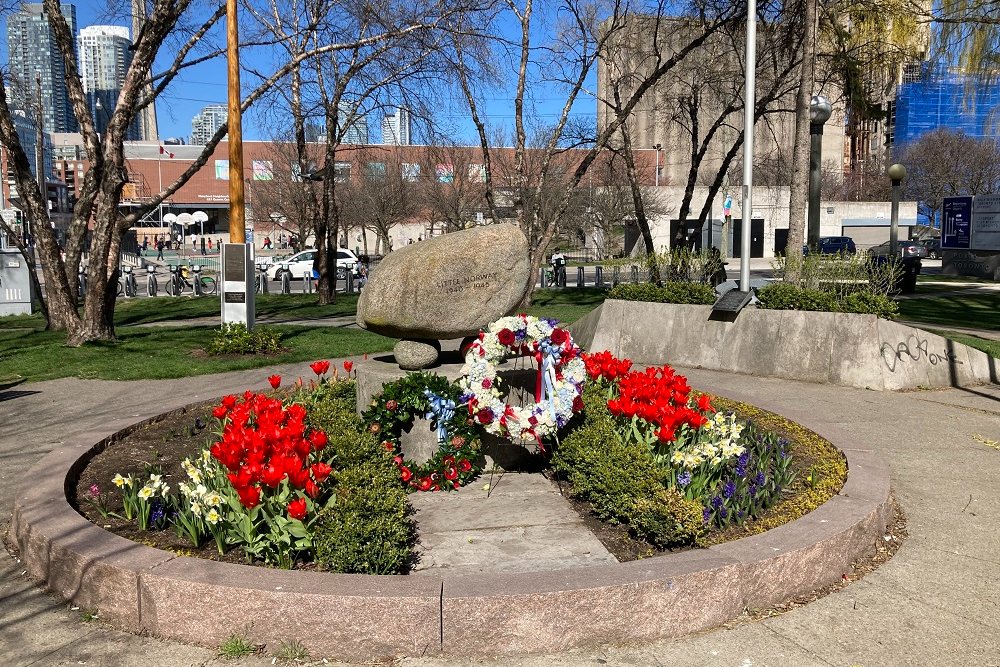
605 366
452 469
263 443
658 396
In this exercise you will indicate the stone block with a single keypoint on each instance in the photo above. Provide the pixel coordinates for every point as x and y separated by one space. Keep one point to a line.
746 346
854 357
338 616
868 476
553 611
803 348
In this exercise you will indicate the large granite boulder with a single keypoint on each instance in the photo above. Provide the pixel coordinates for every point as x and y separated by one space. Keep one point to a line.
447 287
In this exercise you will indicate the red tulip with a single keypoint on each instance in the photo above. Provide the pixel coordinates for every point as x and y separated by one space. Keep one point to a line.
704 403
318 440
275 381
250 496
320 471
320 367
220 412
297 509
348 365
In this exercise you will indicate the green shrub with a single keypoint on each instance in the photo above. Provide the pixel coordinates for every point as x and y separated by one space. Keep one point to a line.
622 481
870 304
785 296
237 339
670 292
367 529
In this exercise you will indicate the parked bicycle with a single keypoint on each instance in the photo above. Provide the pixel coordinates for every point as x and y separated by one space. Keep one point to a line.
151 286
127 283
181 281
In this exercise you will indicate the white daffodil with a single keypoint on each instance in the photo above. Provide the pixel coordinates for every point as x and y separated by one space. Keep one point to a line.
146 492
196 508
212 517
119 481
213 499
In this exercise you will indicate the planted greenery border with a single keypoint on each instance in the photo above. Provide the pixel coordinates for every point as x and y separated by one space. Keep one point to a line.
635 497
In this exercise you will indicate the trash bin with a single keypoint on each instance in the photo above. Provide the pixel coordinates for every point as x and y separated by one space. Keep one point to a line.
908 280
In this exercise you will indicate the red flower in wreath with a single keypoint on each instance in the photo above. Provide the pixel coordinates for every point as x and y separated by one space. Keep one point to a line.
485 416
450 474
405 474
424 484
391 405
559 336
297 509
506 337
464 465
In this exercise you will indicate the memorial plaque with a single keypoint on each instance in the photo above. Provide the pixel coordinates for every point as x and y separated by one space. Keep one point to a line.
235 268
732 301
235 297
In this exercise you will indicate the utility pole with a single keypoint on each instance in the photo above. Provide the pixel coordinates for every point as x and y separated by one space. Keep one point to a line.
40 141
237 212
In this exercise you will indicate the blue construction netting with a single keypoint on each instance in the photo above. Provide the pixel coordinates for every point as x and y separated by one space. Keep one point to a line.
947 100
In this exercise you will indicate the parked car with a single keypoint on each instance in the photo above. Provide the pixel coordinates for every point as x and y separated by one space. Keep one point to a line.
301 263
904 248
933 247
834 245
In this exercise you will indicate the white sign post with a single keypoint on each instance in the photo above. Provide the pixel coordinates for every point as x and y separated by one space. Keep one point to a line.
237 274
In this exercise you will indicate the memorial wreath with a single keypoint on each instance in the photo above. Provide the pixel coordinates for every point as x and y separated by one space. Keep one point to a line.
435 398
558 385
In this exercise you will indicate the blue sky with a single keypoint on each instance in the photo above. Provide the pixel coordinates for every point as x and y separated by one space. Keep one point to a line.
206 84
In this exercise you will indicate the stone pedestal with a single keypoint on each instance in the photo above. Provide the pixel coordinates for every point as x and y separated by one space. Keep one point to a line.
420 442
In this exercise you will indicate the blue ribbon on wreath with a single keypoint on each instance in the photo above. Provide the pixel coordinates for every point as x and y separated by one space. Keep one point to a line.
551 355
441 412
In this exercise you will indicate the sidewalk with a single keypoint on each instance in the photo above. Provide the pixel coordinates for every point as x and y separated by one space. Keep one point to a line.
936 603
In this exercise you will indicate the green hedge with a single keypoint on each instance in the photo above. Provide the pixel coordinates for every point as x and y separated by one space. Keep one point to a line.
670 292
622 481
784 296
367 529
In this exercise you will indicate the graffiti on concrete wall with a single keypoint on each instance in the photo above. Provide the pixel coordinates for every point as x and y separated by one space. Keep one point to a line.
914 349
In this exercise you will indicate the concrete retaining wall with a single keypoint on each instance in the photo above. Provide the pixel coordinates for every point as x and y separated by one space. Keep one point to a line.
835 348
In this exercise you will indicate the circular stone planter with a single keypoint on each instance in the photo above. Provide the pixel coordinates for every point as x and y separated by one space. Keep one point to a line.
357 617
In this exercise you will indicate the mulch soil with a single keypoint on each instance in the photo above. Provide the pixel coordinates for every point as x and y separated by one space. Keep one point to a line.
160 446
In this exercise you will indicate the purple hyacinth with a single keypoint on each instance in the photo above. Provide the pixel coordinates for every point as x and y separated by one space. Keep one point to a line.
157 514
741 464
716 502
723 513
706 514
759 479
729 488
684 479
752 491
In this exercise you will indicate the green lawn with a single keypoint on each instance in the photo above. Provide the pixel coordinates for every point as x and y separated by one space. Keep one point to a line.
990 347
29 353
937 277
566 305
155 352
165 309
979 310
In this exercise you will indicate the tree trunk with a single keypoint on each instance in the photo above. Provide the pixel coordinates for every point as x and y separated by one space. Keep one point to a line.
798 190
640 209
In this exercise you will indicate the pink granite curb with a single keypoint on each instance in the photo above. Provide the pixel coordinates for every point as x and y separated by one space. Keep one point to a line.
360 617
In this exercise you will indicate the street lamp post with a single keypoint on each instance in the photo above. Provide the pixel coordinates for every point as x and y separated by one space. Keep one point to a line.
896 173
819 113
656 172
750 103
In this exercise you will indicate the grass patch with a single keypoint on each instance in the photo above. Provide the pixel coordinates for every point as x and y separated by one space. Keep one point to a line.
156 353
980 310
34 321
238 645
567 304
990 347
938 277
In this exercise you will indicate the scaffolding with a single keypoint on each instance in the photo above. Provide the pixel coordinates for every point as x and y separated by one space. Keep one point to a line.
941 98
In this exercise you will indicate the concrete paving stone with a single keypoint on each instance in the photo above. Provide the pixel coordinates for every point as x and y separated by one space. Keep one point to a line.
513 549
929 605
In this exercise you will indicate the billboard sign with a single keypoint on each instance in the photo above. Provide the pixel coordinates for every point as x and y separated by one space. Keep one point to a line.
971 223
956 223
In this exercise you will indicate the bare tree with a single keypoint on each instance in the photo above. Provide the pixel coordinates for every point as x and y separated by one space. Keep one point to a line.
382 195
453 184
188 32
944 163
581 33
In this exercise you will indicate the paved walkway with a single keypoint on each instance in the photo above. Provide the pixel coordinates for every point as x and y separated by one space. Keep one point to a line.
936 603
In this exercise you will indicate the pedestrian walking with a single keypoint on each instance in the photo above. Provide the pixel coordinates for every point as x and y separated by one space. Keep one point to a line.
209 245
145 244
159 249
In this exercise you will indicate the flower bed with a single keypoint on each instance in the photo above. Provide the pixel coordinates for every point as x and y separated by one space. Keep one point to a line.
662 463
289 478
